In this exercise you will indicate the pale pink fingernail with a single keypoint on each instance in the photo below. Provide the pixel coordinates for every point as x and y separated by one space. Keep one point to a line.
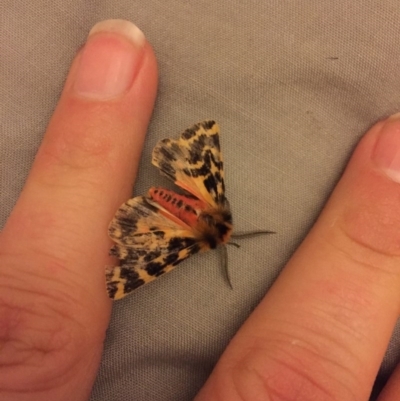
386 154
110 60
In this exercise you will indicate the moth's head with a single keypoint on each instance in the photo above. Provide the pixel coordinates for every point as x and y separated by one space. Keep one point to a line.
215 226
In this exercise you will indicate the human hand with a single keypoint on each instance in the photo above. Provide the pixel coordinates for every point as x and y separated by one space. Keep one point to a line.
54 310
322 330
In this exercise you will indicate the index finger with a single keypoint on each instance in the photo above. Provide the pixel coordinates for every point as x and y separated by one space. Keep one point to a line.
54 247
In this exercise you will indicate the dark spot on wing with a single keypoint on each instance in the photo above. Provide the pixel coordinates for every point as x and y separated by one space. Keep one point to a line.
208 124
132 278
166 150
190 132
155 268
167 169
114 251
171 258
159 234
149 206
175 243
152 255
211 185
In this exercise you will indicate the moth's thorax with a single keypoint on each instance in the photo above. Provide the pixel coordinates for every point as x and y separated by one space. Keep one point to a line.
214 224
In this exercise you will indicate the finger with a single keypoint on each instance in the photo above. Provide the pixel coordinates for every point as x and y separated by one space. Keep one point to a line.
53 249
322 330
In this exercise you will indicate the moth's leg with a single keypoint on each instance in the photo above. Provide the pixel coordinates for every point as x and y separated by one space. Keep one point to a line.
225 265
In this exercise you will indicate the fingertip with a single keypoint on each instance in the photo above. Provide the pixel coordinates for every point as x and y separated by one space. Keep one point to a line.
386 152
107 100
110 60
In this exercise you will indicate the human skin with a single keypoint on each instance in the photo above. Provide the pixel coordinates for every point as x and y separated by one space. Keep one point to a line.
319 334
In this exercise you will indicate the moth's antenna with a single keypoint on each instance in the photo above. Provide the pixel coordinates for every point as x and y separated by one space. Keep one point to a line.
251 234
225 265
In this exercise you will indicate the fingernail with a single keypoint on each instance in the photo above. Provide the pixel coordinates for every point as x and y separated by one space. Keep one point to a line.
386 154
110 60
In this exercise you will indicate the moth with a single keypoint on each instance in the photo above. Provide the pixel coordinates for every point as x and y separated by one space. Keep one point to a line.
154 233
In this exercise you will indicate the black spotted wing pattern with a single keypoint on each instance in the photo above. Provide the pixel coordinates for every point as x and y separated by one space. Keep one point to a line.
149 242
194 162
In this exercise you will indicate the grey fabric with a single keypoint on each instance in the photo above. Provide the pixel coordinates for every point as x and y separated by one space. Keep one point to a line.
293 86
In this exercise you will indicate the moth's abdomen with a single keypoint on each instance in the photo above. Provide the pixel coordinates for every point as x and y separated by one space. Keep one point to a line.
183 207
